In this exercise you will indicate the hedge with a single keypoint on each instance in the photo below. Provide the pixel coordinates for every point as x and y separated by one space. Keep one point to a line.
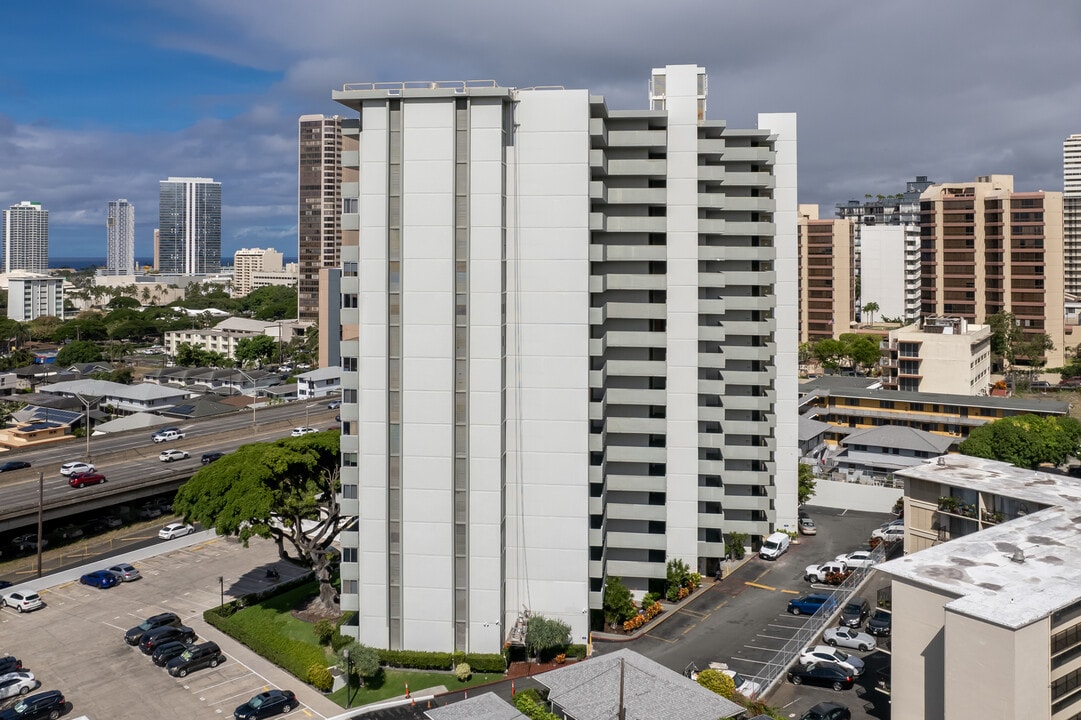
423 660
295 656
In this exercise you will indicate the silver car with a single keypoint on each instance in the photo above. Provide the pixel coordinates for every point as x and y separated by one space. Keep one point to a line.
17 683
849 638
825 653
125 572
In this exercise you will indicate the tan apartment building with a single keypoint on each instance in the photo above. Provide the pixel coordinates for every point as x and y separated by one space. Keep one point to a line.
987 249
938 355
249 261
827 288
319 206
987 599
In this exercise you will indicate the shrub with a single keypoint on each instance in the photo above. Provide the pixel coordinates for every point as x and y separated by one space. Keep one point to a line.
463 672
736 545
676 577
561 658
618 604
338 641
531 706
319 677
294 656
578 651
648 600
423 660
716 681
325 631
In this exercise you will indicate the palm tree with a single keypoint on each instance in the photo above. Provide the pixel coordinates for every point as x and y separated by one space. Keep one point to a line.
871 308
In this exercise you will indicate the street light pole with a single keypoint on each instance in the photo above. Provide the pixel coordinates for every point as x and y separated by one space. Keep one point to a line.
221 585
254 396
348 678
41 512
86 427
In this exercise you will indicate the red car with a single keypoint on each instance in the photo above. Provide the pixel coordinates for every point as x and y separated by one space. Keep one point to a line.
84 479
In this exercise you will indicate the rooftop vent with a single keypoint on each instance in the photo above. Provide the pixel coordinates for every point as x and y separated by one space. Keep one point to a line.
941 460
1018 556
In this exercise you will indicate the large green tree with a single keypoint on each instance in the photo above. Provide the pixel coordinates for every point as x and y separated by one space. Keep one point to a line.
260 348
1025 440
80 351
286 490
807 485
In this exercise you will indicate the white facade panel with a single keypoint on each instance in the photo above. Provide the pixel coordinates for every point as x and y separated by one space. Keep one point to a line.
882 268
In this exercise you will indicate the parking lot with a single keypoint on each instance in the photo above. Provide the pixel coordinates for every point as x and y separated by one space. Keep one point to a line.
742 621
75 644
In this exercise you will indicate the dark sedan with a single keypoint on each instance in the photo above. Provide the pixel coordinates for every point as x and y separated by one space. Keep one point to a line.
265 704
101 579
13 465
9 663
824 673
880 622
162 635
49 704
167 651
827 711
211 457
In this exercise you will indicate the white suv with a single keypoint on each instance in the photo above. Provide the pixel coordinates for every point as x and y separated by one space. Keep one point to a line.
75 468
23 601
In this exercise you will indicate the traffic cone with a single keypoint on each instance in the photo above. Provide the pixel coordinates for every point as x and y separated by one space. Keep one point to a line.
512 688
466 694
407 689
429 704
413 702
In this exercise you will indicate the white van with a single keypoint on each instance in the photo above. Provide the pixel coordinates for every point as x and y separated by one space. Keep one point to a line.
774 546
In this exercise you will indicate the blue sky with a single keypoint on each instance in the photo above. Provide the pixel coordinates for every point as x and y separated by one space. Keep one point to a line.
100 100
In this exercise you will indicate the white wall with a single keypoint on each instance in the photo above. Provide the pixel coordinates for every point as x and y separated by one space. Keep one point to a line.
855 496
882 269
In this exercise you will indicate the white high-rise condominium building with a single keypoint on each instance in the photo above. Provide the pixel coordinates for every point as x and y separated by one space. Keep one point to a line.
26 238
576 330
33 295
189 239
1071 213
120 238
248 262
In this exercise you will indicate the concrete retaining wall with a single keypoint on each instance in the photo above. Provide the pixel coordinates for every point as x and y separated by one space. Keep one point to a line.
854 496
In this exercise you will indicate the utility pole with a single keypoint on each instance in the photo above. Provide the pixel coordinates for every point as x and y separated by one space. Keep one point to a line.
41 512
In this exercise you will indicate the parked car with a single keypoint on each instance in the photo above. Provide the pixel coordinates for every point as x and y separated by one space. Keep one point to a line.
28 542
13 465
858 559
827 711
774 546
149 512
892 533
101 579
211 457
826 653
79 480
167 434
10 664
849 638
74 468
135 635
167 651
744 685
112 521
17 683
266 704
811 604
807 526
49 704
206 654
823 673
880 623
159 636
23 600
170 455
855 612
175 530
818 573
124 572
300 431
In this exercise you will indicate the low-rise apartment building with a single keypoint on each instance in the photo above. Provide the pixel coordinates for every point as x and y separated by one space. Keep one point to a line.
938 355
123 398
850 408
224 336
319 383
987 599
33 295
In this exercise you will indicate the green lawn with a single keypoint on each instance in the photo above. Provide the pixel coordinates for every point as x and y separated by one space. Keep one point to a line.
392 684
274 612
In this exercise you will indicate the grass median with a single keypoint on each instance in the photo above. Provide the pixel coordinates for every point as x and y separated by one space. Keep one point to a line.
271 629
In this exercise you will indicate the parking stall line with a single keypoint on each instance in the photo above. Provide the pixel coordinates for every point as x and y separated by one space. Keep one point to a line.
759 586
765 649
658 637
247 693
211 687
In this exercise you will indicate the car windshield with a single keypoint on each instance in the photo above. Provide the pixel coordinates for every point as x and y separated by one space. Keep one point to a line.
852 608
21 707
256 702
186 655
738 679
881 615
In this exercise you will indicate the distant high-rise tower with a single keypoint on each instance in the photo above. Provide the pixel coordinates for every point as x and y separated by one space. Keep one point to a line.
120 238
827 278
1071 212
190 226
319 206
26 237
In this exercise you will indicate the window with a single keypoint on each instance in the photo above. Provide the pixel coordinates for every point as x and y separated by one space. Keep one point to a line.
349 459
349 492
349 364
349 395
349 554
349 269
349 300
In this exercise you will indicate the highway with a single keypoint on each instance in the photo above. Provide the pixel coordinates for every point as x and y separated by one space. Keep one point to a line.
130 461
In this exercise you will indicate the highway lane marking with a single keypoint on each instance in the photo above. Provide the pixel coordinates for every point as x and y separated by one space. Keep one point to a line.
761 587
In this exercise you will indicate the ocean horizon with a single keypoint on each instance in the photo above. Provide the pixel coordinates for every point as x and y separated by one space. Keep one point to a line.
80 263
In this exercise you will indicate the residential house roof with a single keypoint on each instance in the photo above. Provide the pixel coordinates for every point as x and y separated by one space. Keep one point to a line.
105 388
900 437
327 373
136 421
590 690
482 707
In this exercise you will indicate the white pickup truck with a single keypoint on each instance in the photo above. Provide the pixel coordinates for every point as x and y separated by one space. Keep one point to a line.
167 435
818 573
